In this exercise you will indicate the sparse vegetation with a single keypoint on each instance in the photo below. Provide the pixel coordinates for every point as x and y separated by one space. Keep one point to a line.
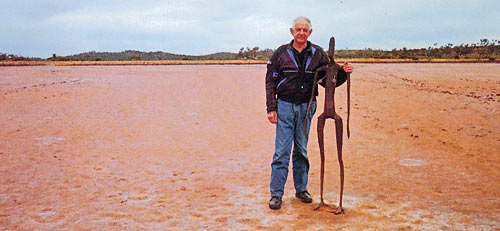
254 53
485 50
11 57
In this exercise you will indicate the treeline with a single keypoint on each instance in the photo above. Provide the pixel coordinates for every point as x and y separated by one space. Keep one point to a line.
254 53
485 49
11 57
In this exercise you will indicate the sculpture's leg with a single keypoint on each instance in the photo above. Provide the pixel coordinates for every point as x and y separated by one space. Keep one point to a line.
348 103
339 131
321 127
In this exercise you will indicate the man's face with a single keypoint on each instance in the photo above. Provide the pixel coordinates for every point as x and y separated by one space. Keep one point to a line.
301 31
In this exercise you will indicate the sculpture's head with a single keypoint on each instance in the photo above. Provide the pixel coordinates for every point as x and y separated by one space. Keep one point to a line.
331 49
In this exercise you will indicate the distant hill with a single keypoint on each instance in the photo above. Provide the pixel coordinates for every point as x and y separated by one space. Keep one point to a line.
484 49
140 55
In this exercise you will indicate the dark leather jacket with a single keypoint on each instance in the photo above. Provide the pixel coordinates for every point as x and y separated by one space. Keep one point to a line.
287 80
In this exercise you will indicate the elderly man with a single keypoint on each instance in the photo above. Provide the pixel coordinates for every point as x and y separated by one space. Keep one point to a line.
289 80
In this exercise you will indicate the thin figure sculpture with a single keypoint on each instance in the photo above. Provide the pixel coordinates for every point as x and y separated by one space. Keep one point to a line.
330 81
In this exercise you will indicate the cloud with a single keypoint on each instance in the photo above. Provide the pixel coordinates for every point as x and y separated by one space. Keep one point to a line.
167 18
258 29
39 28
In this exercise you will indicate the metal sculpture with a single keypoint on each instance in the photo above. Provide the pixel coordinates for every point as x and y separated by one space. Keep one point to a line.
330 81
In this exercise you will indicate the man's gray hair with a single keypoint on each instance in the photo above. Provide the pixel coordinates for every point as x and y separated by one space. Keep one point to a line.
301 18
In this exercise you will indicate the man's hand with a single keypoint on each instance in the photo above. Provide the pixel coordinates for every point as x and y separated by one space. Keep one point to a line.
348 67
272 116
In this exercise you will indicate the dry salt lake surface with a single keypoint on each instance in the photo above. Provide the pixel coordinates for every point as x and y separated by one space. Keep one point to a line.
189 148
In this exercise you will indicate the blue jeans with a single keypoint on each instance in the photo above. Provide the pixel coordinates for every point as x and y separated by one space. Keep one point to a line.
290 130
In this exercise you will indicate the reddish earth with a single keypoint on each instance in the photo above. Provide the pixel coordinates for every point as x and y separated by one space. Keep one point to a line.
190 148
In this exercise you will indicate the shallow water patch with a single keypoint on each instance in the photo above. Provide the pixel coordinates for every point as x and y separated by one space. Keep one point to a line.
45 141
411 162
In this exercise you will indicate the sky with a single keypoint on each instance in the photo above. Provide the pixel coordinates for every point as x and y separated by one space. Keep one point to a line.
40 28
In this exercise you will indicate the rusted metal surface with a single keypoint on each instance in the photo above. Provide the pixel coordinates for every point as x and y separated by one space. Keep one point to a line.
330 80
